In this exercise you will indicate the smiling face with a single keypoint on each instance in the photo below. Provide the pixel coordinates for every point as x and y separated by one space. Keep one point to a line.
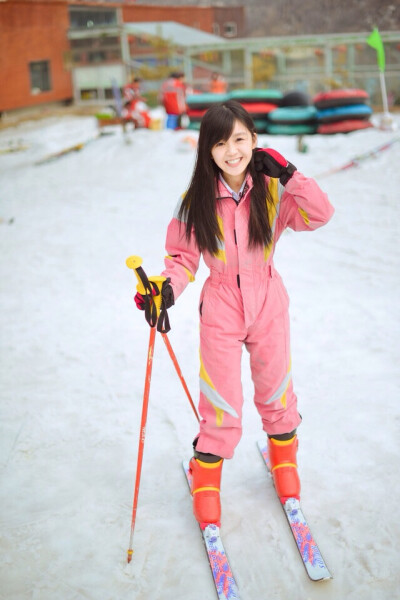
233 155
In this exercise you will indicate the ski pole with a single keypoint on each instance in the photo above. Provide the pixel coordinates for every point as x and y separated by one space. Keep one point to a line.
142 436
179 372
134 262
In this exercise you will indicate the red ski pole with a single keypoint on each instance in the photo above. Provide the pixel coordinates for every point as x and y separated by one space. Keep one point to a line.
134 262
144 287
142 436
178 370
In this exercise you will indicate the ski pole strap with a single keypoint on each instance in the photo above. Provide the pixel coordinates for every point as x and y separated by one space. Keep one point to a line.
143 279
148 290
150 308
163 325
156 309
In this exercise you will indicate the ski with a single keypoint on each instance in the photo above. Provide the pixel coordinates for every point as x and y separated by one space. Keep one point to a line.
306 544
74 148
224 580
13 147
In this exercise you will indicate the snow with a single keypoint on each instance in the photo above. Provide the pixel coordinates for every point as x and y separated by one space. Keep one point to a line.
73 355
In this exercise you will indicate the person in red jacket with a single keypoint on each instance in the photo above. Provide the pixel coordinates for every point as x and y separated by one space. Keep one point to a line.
135 108
132 89
239 202
173 96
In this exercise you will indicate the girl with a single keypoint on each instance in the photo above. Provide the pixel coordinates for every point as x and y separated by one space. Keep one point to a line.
240 200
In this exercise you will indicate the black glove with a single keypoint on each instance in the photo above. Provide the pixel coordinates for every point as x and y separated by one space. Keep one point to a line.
167 293
273 164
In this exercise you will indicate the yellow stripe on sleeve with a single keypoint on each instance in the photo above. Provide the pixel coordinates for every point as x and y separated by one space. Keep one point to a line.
304 215
190 276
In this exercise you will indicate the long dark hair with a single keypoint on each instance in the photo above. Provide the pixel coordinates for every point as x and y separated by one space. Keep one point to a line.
198 208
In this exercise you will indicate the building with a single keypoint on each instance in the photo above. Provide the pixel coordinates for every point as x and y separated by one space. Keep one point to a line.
78 50
149 50
60 50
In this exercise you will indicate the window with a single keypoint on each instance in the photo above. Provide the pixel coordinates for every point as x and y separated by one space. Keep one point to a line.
230 29
83 18
96 50
216 30
40 76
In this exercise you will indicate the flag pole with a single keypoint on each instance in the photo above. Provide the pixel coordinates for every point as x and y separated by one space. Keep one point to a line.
375 41
384 93
387 122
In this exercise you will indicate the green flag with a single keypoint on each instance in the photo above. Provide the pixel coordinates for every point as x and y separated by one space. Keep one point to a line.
375 41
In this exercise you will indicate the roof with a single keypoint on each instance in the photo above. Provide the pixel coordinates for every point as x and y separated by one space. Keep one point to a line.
179 35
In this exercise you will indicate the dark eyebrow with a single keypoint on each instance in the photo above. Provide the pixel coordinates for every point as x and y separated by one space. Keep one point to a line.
223 139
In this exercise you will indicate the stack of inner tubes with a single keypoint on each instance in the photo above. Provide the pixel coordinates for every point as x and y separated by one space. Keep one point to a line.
295 116
294 113
257 102
342 111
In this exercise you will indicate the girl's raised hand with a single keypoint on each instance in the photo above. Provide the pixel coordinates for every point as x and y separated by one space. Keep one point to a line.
273 164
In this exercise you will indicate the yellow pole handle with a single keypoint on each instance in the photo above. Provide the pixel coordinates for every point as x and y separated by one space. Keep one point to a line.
135 263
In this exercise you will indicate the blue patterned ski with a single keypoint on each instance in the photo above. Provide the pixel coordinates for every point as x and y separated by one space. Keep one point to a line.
224 580
306 544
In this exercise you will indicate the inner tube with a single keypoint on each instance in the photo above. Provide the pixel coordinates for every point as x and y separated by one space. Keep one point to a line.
295 129
340 98
343 126
351 111
204 101
293 114
273 96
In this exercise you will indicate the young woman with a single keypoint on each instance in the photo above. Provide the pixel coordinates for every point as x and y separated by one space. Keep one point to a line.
239 201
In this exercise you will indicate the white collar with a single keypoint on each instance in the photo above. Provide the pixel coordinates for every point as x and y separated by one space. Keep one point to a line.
235 195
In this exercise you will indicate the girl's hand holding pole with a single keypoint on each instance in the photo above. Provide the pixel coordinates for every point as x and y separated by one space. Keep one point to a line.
273 164
154 295
166 293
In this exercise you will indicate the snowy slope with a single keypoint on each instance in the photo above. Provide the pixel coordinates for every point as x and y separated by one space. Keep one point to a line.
73 352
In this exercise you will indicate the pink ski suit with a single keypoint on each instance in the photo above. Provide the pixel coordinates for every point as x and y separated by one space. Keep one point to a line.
244 301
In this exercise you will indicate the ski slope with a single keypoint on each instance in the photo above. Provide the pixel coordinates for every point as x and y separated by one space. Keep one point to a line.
73 355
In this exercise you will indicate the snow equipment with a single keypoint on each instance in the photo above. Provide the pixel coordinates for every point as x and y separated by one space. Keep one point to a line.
153 309
60 153
224 580
306 545
205 487
179 373
14 146
283 467
117 97
144 286
142 435
355 161
74 148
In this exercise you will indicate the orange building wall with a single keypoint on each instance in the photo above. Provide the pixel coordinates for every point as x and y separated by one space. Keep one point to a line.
32 32
36 30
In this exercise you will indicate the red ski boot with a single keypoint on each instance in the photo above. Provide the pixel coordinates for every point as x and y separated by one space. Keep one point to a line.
206 482
282 455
